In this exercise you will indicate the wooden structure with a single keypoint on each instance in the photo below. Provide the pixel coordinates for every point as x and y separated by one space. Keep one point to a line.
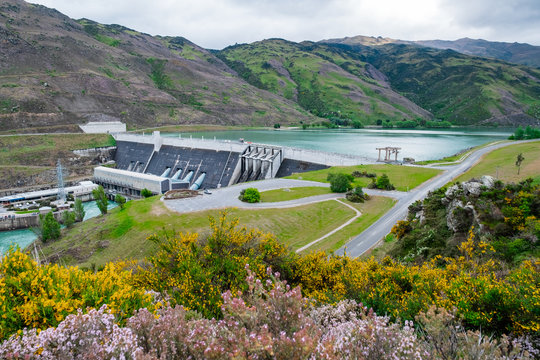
388 152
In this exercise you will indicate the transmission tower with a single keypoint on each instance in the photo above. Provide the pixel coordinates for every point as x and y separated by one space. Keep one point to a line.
60 179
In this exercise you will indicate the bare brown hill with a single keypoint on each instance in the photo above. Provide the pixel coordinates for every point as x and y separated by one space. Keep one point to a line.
56 72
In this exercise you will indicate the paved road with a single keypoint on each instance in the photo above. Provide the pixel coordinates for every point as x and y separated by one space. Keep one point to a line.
378 230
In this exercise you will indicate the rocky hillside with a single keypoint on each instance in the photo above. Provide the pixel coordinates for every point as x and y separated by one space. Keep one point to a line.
517 53
55 71
503 217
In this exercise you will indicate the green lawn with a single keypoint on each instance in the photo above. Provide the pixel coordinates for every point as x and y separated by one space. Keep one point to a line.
500 163
403 177
371 211
292 193
122 233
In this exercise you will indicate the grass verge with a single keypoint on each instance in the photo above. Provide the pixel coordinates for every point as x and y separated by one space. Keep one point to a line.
371 211
501 164
404 178
292 193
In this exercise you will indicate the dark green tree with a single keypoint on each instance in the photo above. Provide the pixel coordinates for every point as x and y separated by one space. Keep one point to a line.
356 195
68 218
50 228
78 210
101 199
340 183
120 200
383 183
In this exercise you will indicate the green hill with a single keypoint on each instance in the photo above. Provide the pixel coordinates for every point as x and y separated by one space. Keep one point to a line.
460 88
326 80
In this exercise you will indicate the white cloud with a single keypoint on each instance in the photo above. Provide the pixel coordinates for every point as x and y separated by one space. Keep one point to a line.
216 24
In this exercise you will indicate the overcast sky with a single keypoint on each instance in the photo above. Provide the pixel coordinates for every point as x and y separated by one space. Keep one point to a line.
216 24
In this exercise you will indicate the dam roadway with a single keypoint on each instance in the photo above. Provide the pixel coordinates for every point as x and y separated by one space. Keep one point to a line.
379 229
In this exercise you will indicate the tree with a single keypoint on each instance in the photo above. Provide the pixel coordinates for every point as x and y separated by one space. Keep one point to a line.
50 228
68 218
383 183
519 160
356 195
120 200
79 210
146 193
340 183
250 195
101 199
277 126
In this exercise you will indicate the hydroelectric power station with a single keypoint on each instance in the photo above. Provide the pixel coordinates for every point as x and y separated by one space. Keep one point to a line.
160 164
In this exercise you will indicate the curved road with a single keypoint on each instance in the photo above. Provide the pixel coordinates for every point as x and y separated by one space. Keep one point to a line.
379 229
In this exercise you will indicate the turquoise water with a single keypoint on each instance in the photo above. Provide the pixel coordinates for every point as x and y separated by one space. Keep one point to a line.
418 144
24 237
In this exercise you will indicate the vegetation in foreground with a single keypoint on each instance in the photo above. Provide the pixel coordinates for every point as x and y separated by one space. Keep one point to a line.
404 178
504 218
194 271
122 233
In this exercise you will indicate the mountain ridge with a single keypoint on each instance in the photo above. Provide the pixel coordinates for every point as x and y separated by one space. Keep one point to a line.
56 73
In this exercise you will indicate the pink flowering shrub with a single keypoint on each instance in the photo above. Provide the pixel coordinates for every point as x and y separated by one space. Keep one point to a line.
90 336
269 321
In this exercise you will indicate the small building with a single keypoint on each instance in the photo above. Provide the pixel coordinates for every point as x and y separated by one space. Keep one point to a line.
129 182
104 127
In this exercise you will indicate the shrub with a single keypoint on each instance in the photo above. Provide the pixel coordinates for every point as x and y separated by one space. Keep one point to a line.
41 296
146 193
250 195
340 183
194 271
383 183
356 195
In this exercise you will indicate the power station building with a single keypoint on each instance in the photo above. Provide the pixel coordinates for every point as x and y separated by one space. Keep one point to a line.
160 164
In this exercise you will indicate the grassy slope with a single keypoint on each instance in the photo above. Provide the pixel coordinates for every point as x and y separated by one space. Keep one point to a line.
371 211
292 193
343 89
44 150
502 162
456 87
30 160
122 233
403 177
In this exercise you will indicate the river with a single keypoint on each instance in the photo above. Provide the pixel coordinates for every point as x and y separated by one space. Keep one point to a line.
25 237
417 144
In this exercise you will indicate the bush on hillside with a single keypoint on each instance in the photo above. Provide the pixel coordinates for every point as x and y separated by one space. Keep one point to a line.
250 195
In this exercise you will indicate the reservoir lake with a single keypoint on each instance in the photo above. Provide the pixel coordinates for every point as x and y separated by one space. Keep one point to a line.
417 144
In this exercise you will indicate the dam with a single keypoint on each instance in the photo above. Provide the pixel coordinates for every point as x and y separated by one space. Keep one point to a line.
160 164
